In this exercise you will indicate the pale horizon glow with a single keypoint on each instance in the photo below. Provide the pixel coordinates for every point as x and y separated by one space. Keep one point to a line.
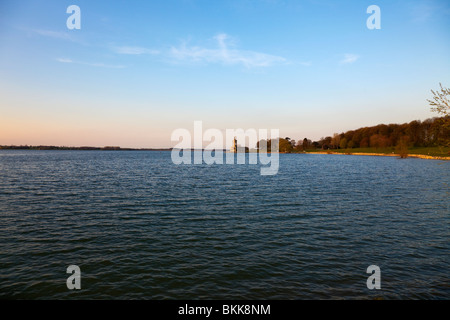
137 71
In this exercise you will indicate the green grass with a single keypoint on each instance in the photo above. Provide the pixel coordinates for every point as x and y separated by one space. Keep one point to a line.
431 151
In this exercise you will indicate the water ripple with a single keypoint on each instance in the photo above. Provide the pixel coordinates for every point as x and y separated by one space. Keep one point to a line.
140 227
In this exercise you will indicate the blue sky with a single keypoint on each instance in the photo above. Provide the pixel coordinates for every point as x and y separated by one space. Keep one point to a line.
137 70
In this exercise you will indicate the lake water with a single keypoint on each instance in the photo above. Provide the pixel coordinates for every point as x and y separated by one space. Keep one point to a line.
140 227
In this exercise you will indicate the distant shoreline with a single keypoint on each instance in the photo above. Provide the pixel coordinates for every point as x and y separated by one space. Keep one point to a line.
55 148
81 148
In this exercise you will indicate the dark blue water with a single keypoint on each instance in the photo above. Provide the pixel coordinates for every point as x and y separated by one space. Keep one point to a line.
140 227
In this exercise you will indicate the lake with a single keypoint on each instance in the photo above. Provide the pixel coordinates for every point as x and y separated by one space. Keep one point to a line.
140 227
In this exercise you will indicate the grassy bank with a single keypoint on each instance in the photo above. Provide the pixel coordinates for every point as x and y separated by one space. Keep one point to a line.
435 152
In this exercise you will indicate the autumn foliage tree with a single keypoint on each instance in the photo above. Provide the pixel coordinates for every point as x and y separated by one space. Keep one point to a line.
427 133
285 146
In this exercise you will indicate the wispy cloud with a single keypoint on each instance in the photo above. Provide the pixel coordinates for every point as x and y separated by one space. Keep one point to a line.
224 53
421 12
57 35
64 60
135 50
53 34
349 58
99 65
305 63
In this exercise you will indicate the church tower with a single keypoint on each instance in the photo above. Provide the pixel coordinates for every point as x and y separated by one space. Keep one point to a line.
234 146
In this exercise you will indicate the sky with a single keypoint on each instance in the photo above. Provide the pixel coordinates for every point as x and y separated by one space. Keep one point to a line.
138 70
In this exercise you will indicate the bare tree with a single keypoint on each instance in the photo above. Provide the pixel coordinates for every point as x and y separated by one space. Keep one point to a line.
440 102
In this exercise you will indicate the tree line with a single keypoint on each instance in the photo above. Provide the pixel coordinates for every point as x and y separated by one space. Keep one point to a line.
428 133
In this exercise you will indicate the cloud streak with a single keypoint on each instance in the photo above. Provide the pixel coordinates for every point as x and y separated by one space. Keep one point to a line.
135 50
224 54
422 12
99 65
53 34
349 58
58 35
